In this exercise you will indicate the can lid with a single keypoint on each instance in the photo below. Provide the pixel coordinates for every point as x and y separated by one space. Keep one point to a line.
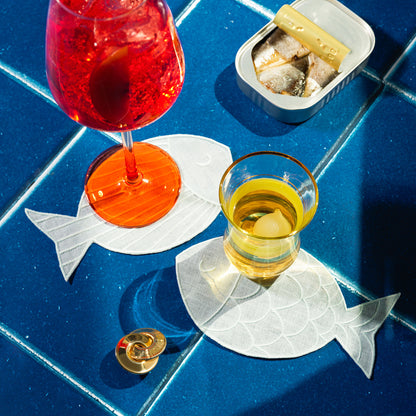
311 36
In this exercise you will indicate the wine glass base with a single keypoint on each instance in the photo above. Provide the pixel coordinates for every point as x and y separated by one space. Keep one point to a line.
136 203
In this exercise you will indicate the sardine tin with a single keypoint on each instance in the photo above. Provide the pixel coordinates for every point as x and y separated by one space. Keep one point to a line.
337 20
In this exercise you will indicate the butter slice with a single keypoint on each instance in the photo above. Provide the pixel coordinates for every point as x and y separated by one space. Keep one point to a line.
311 36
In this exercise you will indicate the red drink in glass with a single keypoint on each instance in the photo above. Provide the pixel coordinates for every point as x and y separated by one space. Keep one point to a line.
117 65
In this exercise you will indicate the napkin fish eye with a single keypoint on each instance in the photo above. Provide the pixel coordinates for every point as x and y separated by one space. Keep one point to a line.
195 209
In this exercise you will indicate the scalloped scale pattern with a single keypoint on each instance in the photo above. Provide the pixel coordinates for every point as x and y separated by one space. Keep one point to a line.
300 313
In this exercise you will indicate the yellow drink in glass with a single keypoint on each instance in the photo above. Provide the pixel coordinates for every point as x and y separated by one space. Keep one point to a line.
265 213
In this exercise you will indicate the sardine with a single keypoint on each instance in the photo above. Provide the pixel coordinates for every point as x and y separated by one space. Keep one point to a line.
319 76
277 48
285 66
289 78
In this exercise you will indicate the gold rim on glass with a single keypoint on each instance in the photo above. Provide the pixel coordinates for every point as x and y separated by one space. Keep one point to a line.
269 152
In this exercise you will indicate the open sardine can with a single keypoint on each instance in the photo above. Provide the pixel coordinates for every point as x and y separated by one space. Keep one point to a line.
301 59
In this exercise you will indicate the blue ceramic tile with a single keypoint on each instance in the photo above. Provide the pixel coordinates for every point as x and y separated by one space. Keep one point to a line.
267 8
31 131
29 388
393 28
405 72
110 295
364 227
363 230
176 6
216 381
212 105
22 44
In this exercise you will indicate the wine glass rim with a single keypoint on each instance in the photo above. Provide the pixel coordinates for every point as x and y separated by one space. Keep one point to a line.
268 153
81 16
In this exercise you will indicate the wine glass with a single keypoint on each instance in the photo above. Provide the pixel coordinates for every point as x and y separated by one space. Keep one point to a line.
115 66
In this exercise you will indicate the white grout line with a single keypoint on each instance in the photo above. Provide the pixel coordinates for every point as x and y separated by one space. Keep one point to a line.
344 281
267 13
27 82
318 172
186 11
18 203
400 59
57 370
370 74
154 399
401 92
332 154
348 132
44 92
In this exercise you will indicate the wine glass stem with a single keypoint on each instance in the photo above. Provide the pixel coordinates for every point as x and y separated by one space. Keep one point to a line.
131 167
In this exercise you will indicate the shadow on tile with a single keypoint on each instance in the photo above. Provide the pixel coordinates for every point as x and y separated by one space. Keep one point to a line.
389 248
244 110
153 301
365 225
393 27
318 394
336 390
114 376
389 202
385 53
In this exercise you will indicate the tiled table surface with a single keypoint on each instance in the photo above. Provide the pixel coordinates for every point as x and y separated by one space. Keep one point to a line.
57 339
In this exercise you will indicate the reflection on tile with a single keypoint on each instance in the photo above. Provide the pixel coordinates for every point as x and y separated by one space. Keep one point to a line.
176 6
405 72
221 111
237 385
110 295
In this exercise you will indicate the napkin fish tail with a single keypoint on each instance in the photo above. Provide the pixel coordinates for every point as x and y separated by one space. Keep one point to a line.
71 244
359 327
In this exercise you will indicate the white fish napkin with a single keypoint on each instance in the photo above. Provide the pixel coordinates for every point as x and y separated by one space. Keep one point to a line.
300 313
201 162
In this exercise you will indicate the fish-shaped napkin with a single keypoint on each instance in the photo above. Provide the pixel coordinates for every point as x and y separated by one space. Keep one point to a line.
300 313
201 162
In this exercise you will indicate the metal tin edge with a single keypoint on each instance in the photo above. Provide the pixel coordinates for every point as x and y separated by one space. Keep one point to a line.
296 109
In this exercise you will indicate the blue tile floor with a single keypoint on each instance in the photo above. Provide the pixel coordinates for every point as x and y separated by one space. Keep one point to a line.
57 339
